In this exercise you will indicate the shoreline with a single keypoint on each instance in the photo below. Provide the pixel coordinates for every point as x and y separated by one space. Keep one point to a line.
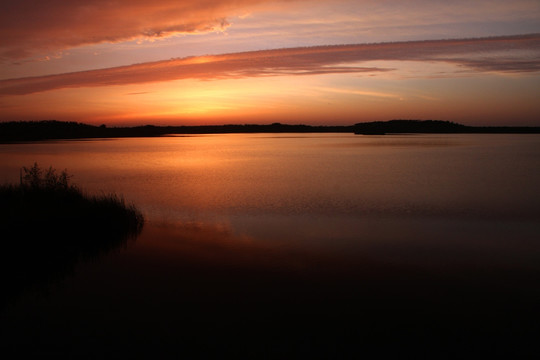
31 131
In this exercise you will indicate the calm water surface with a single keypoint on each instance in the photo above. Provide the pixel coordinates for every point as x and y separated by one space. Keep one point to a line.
260 224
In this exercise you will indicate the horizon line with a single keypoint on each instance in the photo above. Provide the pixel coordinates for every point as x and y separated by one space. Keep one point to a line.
276 123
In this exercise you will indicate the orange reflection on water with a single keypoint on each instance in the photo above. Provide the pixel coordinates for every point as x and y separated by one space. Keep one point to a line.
216 245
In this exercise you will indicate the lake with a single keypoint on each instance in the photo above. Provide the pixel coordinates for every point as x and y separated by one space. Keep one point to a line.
293 245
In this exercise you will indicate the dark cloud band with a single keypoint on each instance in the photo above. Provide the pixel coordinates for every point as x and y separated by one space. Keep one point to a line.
499 54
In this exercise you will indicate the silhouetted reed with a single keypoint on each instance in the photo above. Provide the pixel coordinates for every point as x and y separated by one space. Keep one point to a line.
48 224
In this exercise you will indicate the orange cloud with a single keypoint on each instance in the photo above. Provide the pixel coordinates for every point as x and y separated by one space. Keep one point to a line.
29 27
504 54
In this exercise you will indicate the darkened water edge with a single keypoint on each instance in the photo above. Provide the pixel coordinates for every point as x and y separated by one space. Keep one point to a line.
203 289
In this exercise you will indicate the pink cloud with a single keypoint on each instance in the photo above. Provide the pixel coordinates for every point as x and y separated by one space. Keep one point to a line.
502 54
31 27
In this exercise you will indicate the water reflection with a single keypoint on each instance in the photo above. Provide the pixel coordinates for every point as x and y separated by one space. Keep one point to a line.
399 141
207 288
213 265
39 252
299 246
223 175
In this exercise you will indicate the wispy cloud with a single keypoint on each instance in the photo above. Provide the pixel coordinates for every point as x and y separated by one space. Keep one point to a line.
137 93
29 27
501 54
345 91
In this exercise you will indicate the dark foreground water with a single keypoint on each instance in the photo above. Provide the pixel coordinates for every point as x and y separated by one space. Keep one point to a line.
325 246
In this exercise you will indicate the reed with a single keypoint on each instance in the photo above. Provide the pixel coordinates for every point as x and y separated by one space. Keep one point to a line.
48 224
49 201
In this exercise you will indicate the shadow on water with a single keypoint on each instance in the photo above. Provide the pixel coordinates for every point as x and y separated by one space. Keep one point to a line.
211 291
48 225
200 290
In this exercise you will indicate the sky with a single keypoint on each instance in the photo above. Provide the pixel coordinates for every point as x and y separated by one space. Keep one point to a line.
320 62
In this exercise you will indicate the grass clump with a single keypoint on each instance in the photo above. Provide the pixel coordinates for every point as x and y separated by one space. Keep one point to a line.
52 205
48 224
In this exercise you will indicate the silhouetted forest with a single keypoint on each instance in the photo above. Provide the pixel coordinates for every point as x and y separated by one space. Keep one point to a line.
434 127
52 129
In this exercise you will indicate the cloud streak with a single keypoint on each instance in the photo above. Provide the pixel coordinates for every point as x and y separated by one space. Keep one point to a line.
31 27
499 54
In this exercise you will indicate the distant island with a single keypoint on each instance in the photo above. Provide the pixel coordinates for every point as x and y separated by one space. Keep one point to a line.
16 131
435 127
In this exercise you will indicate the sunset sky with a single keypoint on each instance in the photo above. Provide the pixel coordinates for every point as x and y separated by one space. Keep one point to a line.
185 62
